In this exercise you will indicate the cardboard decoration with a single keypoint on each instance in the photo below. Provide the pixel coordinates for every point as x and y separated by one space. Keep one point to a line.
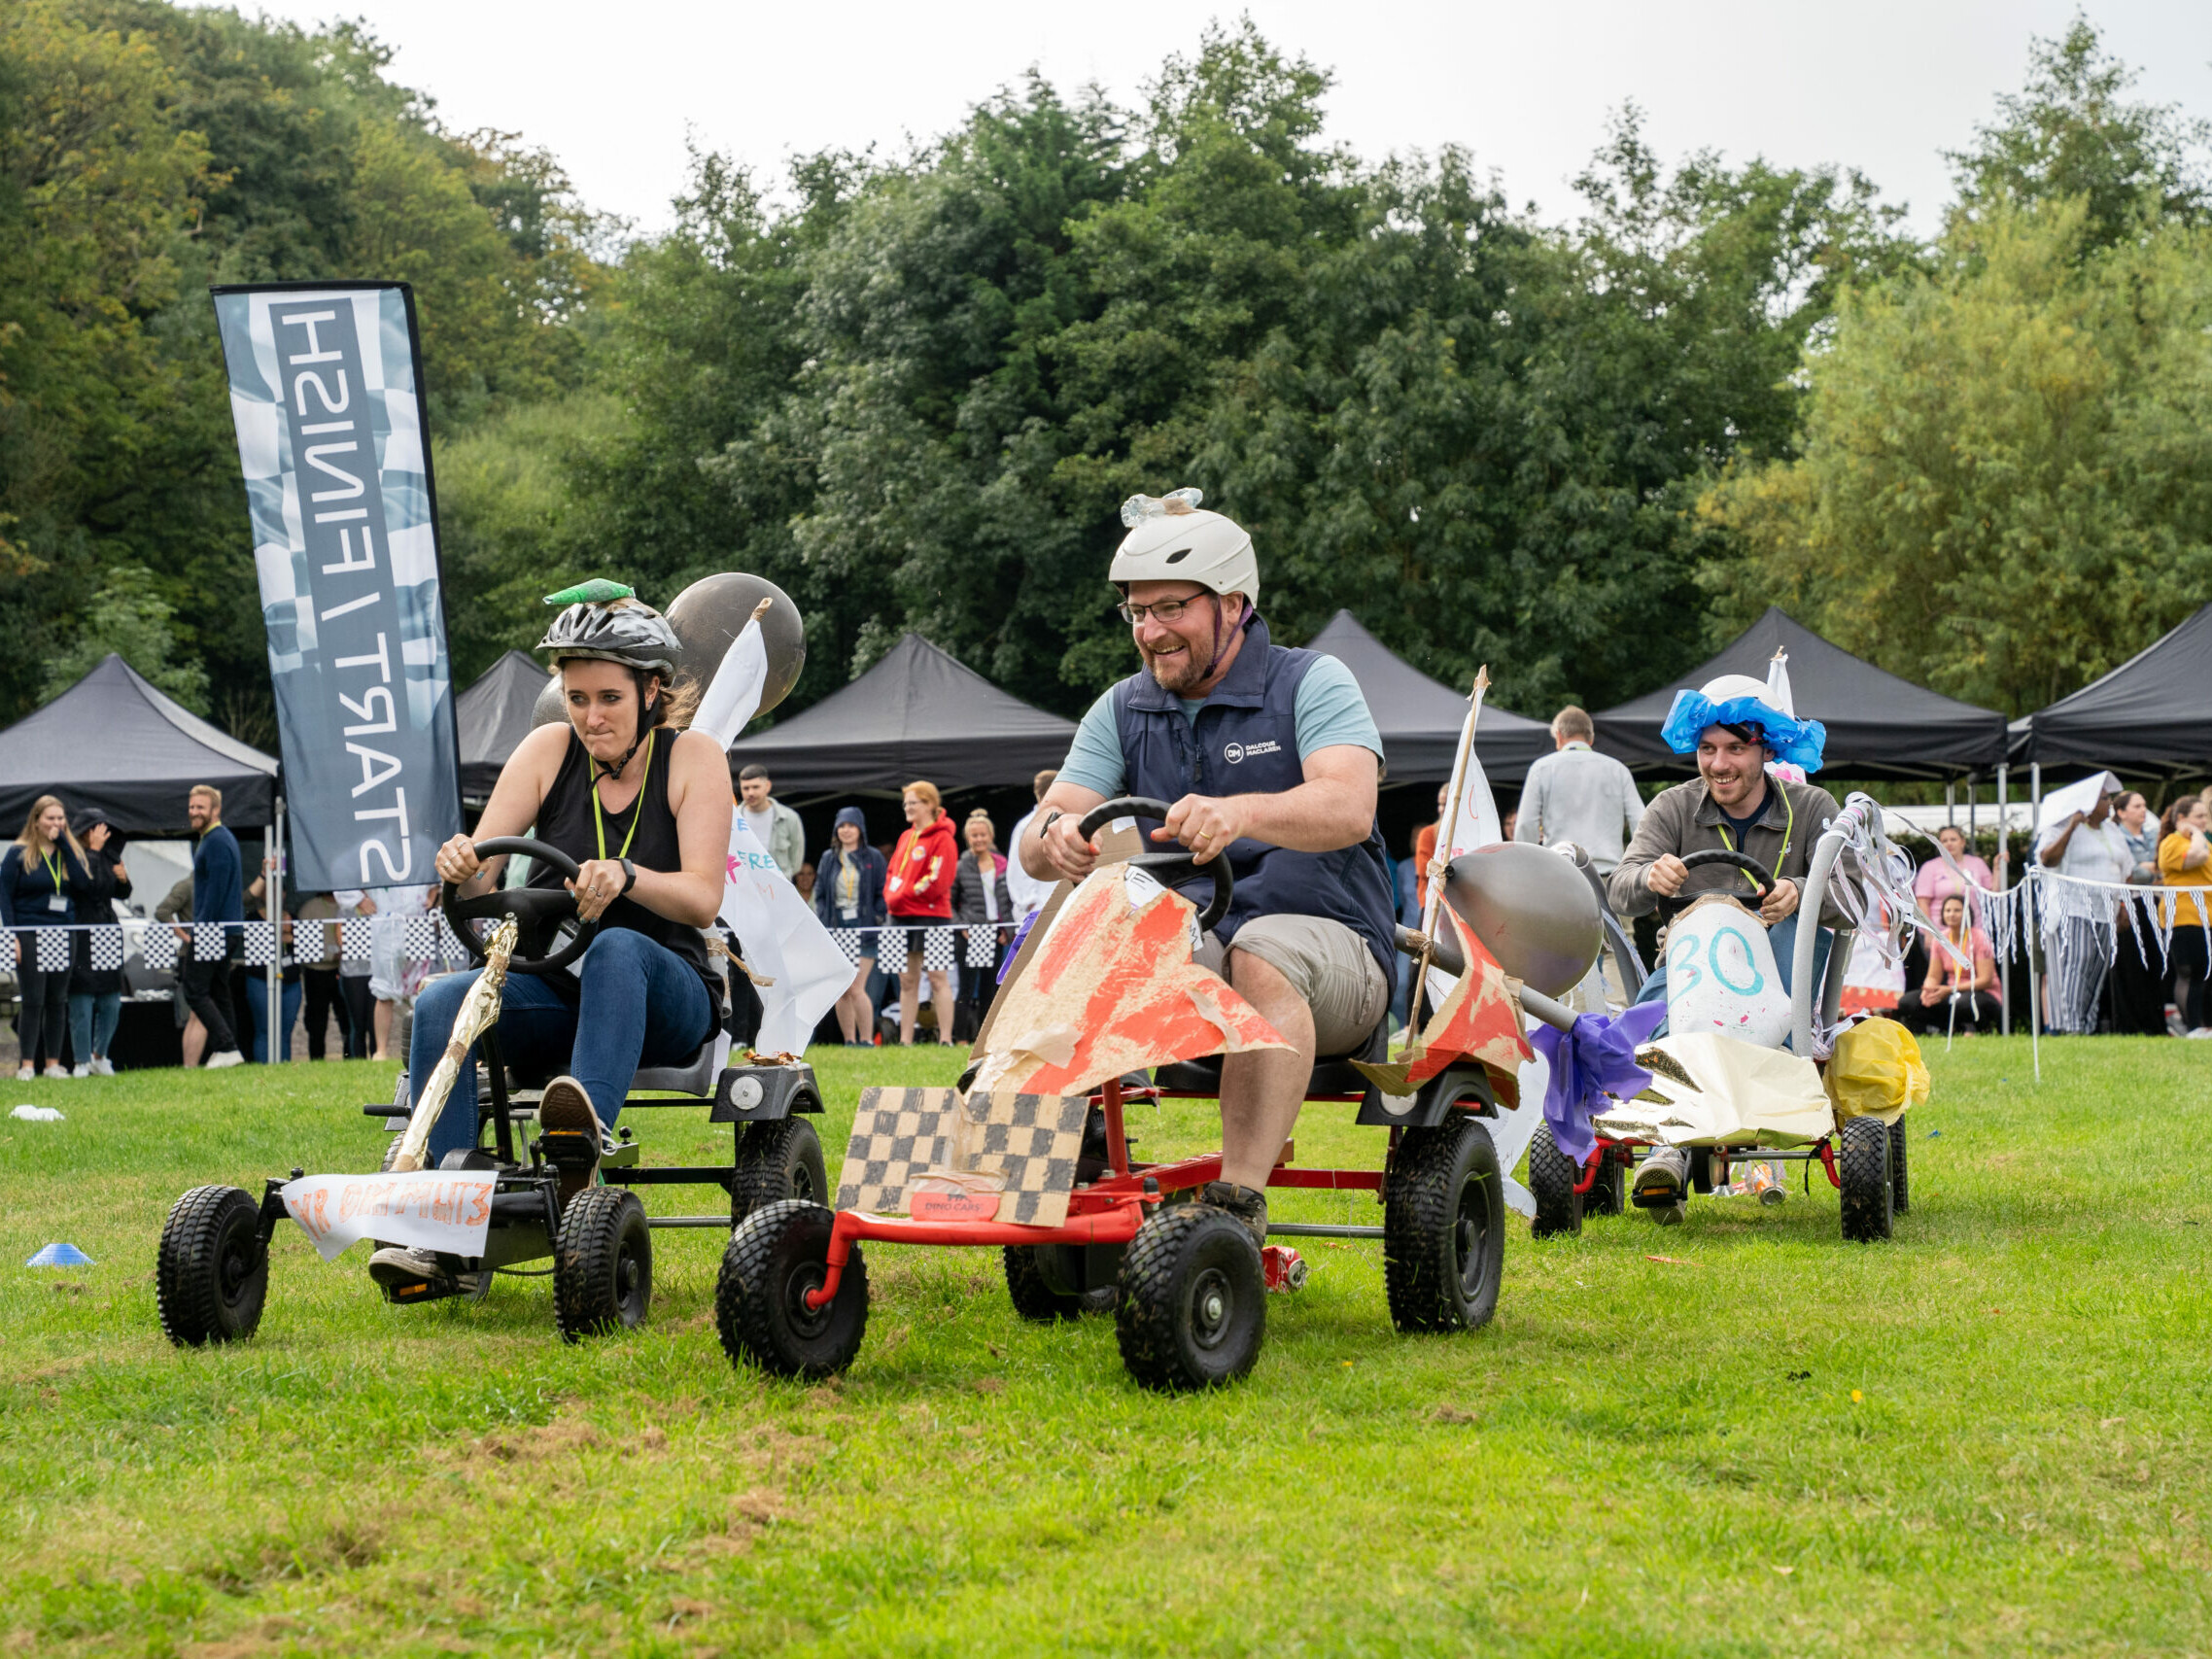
1721 975
1712 1089
1480 1019
1111 987
941 1156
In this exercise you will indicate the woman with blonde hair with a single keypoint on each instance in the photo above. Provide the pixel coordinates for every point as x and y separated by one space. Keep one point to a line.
42 877
919 888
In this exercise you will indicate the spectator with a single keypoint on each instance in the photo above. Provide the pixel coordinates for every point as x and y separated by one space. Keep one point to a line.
314 946
95 994
1028 893
2139 965
1955 998
2079 839
1508 824
1938 882
357 979
393 980
288 969
803 879
2185 860
2142 832
849 895
981 897
219 894
774 825
45 874
919 888
176 909
1575 794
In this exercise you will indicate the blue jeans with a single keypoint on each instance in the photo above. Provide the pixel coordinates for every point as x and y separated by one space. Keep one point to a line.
1783 937
92 1024
639 1004
258 1005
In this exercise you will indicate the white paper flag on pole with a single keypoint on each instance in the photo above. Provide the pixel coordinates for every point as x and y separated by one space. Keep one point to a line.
783 941
1474 824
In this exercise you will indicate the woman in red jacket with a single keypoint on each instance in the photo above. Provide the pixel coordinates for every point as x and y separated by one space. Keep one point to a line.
919 886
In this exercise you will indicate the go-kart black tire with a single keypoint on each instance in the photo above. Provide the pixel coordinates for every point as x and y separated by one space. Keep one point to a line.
1444 1227
1899 1190
780 1253
776 1160
1552 1179
1194 1301
1862 1169
1609 1193
1035 1298
212 1275
602 1267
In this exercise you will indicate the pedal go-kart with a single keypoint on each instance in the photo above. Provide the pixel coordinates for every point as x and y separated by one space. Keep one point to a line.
489 1209
1726 1092
1029 1154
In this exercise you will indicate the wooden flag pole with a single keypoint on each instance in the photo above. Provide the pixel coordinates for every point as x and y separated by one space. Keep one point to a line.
1434 876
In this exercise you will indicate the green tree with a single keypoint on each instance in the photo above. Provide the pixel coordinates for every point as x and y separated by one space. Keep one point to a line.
129 619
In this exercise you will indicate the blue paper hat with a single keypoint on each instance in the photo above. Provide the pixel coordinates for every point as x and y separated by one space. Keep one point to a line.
1739 700
60 1255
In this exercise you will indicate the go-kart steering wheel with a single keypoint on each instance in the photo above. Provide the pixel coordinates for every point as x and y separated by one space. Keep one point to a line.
538 911
1168 869
1669 904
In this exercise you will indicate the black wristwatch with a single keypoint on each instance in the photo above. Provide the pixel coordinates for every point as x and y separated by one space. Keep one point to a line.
629 879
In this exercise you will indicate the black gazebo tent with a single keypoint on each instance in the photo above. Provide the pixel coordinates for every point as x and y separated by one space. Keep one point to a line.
1420 718
114 745
917 713
494 715
2136 718
1878 726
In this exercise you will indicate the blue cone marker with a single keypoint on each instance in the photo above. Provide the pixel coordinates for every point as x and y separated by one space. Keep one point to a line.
60 1255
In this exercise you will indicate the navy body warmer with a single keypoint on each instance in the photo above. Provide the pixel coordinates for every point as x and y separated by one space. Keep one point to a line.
1245 743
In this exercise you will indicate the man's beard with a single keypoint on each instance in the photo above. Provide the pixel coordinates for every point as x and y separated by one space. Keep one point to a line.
1177 674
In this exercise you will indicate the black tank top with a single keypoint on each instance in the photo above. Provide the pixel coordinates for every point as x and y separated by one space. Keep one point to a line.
565 820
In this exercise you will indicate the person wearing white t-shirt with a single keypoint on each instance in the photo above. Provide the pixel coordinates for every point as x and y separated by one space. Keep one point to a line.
2081 841
1029 894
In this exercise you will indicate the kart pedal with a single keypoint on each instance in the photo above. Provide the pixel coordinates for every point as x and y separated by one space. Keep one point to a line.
569 1149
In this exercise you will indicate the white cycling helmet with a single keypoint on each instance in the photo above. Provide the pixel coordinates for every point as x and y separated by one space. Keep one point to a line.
1170 541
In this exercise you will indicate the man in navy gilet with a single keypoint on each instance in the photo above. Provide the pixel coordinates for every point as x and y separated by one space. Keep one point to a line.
1270 759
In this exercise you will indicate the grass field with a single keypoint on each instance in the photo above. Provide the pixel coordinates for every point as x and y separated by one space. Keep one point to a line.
1993 1435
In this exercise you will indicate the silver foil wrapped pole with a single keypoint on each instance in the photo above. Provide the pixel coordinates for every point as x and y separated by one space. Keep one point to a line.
479 1012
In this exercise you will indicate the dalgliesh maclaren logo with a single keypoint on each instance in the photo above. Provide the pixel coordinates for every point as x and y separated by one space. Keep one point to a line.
1234 753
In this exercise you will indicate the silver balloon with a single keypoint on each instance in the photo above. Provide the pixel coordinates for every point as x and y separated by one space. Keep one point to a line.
707 617
1533 910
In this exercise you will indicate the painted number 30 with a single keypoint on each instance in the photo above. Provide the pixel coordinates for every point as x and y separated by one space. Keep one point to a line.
1682 960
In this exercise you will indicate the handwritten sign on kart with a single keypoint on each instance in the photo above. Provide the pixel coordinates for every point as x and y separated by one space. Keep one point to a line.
432 1209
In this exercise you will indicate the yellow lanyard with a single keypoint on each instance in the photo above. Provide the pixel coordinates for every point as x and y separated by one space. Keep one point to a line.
53 863
1788 829
636 807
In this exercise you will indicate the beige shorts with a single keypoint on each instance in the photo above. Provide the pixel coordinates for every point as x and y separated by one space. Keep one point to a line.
1328 966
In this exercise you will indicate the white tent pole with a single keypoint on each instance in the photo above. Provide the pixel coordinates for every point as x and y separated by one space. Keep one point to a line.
272 911
2005 967
2027 909
1950 800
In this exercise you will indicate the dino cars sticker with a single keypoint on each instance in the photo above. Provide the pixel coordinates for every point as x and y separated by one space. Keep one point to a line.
432 1209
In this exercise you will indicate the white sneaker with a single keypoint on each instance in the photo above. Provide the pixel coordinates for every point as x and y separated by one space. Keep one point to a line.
2203 1031
85 1070
228 1058
23 1072
55 1074
103 1067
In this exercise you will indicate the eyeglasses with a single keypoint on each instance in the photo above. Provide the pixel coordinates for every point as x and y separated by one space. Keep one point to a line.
1159 610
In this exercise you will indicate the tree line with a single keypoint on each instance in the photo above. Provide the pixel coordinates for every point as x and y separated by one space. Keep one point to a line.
912 390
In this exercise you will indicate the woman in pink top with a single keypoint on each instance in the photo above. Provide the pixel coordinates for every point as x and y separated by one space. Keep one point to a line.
1955 998
1938 882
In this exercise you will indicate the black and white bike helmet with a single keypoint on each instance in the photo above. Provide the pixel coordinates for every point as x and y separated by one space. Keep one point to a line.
596 625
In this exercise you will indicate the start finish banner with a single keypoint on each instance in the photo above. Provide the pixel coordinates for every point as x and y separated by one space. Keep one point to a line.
325 391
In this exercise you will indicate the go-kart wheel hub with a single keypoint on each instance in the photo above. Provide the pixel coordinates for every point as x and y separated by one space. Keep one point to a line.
808 1321
1211 1300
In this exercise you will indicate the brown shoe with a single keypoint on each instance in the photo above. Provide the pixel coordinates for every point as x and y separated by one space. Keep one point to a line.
571 1133
1248 1204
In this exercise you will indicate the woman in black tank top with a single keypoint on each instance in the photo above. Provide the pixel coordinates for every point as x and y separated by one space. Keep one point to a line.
645 809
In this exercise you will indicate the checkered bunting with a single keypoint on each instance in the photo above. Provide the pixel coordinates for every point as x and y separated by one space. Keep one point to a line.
210 939
311 940
356 940
897 1133
900 1134
106 950
158 948
848 940
54 950
449 943
261 944
938 949
418 939
983 946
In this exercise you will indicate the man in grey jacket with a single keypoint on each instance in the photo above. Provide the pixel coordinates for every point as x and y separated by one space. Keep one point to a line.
774 825
1575 794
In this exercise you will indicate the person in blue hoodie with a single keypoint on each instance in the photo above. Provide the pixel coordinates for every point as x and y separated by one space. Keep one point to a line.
849 894
219 894
43 876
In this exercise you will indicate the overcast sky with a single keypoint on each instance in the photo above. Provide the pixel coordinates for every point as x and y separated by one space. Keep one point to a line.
1885 85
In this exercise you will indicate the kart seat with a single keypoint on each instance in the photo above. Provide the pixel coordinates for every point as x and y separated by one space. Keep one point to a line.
696 1075
1333 1075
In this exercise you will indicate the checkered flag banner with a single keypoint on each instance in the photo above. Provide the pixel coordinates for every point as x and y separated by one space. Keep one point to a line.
938 949
848 941
208 941
261 944
983 946
106 949
1029 1141
418 939
54 950
158 948
897 1133
356 938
